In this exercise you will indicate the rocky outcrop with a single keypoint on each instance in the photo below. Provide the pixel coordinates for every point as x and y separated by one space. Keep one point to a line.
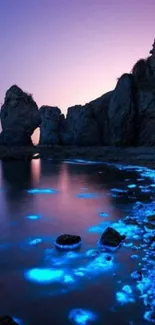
80 127
87 125
50 124
121 113
123 117
146 118
19 117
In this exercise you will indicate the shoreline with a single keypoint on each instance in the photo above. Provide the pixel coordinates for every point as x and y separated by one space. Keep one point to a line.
143 156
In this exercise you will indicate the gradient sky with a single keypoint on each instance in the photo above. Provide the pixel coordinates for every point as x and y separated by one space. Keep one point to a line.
68 52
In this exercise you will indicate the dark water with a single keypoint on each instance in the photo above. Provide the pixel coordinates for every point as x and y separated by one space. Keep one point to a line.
38 202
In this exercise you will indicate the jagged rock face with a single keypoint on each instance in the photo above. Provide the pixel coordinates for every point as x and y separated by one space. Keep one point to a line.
146 118
100 113
80 127
50 124
121 113
19 114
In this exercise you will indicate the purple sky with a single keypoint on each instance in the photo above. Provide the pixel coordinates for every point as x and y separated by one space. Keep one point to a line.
67 52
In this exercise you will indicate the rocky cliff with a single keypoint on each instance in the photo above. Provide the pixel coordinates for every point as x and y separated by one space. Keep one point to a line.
123 117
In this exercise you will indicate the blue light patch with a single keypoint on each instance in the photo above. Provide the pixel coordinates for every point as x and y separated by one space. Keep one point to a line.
17 320
127 289
42 191
33 217
124 298
68 247
104 215
81 316
35 241
44 276
68 278
149 316
132 186
87 196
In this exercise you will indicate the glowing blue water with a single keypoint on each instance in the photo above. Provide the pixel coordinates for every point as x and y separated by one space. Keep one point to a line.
90 283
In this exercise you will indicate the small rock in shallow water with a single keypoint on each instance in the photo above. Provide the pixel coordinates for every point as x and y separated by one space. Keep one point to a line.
111 238
68 241
151 218
7 320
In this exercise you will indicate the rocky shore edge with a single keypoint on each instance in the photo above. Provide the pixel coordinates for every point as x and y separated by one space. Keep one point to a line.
133 156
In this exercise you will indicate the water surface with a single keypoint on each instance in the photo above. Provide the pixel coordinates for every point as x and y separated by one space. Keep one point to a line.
43 199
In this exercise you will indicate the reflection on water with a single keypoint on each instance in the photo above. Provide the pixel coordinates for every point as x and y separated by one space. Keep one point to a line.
43 199
35 170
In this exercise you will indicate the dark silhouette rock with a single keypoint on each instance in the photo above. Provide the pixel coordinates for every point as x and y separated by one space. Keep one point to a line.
146 117
7 320
15 138
19 114
111 238
121 113
100 107
68 241
50 124
80 127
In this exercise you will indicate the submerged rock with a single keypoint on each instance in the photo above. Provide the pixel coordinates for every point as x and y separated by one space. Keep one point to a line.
68 241
19 117
111 238
7 320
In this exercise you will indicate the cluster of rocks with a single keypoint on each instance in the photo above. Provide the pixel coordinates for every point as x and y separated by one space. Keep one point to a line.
122 117
110 239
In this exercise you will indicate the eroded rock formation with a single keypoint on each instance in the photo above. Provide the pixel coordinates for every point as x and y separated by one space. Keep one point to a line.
49 129
19 117
123 117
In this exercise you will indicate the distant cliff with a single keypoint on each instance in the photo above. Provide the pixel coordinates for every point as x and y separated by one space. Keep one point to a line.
123 117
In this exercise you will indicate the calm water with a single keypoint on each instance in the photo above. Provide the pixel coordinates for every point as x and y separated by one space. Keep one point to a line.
40 285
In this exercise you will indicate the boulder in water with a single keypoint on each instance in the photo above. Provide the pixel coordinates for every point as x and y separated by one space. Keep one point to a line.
111 239
68 241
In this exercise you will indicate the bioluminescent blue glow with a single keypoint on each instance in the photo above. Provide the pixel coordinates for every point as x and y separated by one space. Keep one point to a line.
124 298
100 227
132 186
104 214
17 320
92 253
68 278
128 245
126 229
42 191
68 247
35 241
127 289
102 262
118 190
134 257
144 284
82 316
33 217
88 196
150 316
136 275
44 276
